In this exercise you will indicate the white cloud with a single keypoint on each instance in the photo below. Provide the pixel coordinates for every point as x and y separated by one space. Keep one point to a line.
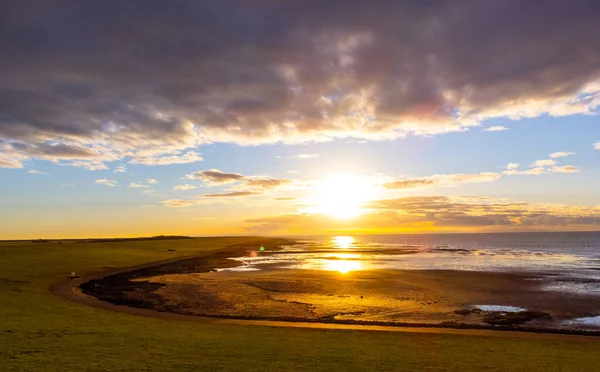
33 171
304 156
441 180
152 181
543 163
512 166
497 128
106 182
137 186
561 154
188 157
187 186
541 170
120 169
565 169
178 203
10 162
597 145
89 165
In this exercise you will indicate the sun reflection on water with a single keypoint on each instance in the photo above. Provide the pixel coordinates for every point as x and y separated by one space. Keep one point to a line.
343 241
343 266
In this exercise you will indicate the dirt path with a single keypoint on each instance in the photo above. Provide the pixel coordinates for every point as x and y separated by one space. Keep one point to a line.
69 290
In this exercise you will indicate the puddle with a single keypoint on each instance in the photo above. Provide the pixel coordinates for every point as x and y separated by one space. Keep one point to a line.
239 268
590 321
505 309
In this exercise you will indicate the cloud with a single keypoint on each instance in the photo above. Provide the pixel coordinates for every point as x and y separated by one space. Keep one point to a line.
497 128
106 182
541 170
565 169
597 145
47 150
178 203
510 166
89 165
265 183
561 154
211 198
6 162
304 156
152 181
441 180
533 171
33 171
216 177
422 213
285 198
137 186
247 72
188 157
234 194
187 186
120 169
543 163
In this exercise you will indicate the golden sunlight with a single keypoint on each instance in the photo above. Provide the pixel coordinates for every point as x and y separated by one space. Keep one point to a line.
343 266
343 196
343 241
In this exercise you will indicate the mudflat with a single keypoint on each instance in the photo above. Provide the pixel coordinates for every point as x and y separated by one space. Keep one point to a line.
461 299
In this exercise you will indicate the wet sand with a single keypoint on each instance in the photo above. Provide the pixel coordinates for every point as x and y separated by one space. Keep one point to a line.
382 297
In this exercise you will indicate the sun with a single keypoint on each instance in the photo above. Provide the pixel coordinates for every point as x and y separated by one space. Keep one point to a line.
343 196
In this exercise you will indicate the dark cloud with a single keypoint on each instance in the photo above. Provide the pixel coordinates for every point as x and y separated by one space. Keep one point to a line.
438 212
217 177
234 194
266 183
148 78
53 151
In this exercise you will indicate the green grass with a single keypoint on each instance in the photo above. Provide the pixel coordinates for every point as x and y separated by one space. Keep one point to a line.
40 332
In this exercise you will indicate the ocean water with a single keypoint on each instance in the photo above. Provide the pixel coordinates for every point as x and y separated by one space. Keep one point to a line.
574 254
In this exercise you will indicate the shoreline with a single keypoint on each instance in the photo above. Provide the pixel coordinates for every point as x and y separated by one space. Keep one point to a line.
111 289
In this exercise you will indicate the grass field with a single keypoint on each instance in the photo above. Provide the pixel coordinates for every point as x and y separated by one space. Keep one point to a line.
41 332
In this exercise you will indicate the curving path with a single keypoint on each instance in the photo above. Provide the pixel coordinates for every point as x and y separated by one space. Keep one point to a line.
69 290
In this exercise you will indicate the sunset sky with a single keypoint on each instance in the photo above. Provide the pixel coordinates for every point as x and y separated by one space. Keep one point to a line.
129 118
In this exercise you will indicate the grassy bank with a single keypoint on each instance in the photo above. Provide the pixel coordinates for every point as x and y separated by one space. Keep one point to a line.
41 332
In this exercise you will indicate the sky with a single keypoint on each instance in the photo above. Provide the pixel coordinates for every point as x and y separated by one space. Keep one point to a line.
264 117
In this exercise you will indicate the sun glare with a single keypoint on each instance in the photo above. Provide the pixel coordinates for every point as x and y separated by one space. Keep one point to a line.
343 266
343 241
343 196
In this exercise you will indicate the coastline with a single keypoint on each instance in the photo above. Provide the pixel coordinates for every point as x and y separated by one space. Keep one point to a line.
129 290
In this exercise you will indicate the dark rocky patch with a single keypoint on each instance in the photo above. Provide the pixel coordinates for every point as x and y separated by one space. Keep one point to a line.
502 318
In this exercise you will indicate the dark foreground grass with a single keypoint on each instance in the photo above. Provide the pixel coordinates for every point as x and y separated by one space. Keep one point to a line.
40 332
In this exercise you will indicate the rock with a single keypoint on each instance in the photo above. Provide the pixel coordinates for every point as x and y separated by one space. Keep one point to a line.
467 311
500 318
463 312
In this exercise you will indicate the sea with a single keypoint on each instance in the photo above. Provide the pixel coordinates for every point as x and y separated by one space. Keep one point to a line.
568 253
563 262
